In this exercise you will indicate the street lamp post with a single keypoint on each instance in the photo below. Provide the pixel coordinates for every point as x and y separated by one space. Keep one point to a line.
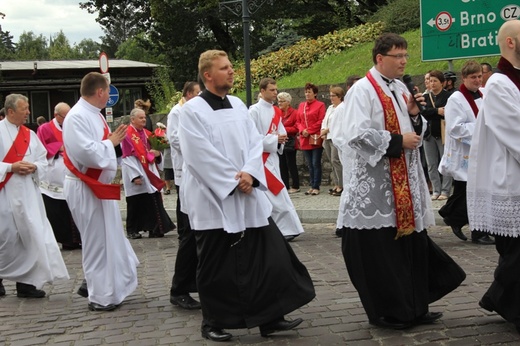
248 7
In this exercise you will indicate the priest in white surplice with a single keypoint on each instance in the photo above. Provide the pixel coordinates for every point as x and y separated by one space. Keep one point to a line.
29 253
109 262
391 261
493 192
268 121
239 247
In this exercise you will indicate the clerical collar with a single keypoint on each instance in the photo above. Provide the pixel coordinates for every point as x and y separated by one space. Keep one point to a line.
387 81
475 94
215 102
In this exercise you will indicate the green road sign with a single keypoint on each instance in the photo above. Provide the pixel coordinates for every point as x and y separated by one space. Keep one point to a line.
452 29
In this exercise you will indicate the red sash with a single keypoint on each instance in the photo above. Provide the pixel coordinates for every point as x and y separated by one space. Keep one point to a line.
405 220
273 183
17 151
140 153
57 133
91 176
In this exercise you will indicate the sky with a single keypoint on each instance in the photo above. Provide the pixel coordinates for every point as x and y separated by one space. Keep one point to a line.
48 17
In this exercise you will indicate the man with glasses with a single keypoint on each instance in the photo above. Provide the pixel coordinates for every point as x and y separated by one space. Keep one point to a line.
29 253
390 259
51 186
487 71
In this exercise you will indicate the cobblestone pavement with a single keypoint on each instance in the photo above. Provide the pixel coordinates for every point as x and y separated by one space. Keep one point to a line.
334 317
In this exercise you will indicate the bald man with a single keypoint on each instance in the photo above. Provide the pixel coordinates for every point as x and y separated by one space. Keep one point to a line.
493 192
51 186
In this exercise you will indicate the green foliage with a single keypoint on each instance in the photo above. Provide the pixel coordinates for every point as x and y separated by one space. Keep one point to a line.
399 15
87 49
305 53
7 46
162 89
32 47
138 48
60 49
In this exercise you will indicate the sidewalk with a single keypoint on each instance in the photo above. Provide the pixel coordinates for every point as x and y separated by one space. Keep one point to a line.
311 209
334 317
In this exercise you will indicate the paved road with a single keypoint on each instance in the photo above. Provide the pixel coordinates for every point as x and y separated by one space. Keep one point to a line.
335 317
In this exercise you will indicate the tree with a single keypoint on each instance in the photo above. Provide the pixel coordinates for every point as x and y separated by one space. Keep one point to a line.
32 47
7 46
60 49
87 49
139 48
120 20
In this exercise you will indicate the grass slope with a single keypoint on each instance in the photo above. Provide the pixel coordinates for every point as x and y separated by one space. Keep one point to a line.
334 69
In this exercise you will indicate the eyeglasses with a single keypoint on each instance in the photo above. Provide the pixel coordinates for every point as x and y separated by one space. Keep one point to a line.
398 56
61 116
333 95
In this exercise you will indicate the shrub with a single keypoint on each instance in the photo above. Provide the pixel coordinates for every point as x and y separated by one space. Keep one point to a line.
304 53
399 16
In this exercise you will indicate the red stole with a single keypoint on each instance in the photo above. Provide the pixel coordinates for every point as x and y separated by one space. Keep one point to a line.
91 176
273 183
140 153
56 132
17 151
467 95
405 219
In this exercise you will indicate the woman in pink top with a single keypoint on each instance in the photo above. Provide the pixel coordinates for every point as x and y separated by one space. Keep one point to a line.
310 116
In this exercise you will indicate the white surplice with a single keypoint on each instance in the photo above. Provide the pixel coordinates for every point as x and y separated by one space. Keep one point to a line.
216 145
52 183
109 262
368 196
284 214
493 192
172 132
460 124
29 252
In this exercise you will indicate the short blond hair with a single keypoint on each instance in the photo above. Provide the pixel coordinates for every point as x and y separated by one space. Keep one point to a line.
206 61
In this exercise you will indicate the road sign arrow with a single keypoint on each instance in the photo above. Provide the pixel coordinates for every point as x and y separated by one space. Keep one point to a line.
431 22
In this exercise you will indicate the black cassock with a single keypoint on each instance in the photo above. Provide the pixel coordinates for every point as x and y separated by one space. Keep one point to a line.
250 278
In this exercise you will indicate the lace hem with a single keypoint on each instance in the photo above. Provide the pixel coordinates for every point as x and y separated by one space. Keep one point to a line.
498 215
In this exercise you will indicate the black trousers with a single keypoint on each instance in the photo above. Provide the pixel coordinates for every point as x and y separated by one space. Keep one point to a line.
184 277
504 292
455 211
288 168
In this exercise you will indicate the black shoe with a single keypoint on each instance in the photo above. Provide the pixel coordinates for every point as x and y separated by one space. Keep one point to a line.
278 326
458 232
99 307
289 237
185 301
70 247
339 232
155 235
391 323
2 288
134 236
214 334
486 304
428 318
484 240
28 291
83 290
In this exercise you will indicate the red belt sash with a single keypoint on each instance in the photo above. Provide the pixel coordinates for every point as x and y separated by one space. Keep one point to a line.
273 183
405 219
91 176
140 153
17 151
